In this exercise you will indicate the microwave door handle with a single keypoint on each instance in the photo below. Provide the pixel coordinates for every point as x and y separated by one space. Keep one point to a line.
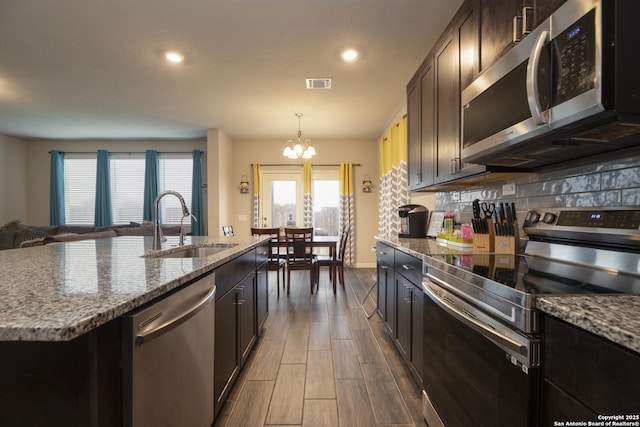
532 81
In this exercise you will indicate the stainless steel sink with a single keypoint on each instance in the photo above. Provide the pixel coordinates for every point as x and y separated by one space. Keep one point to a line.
193 251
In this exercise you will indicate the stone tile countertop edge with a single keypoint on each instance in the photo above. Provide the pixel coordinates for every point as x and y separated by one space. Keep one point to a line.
60 291
614 317
415 247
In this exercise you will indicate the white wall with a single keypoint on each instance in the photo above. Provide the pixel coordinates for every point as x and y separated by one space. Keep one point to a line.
328 152
38 165
13 180
220 174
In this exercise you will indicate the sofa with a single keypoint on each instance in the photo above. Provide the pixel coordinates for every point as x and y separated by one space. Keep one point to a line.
15 235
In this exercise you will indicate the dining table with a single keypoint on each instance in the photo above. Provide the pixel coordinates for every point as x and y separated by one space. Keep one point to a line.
330 242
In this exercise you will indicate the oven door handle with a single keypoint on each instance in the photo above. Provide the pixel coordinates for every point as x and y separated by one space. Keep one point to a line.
474 324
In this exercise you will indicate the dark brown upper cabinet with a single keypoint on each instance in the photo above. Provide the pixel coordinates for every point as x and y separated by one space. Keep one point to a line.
505 22
433 105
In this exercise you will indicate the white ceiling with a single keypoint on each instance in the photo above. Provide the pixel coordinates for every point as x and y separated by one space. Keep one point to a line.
79 69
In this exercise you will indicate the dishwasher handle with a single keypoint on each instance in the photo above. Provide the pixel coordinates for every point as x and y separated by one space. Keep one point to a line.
177 320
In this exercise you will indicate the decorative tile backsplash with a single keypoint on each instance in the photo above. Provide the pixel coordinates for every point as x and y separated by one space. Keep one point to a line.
612 181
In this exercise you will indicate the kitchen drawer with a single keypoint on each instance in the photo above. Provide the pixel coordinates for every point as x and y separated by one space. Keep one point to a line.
410 267
384 254
230 274
262 253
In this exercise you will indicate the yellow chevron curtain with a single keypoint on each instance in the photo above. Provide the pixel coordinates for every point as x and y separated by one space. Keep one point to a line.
307 202
256 196
393 178
347 209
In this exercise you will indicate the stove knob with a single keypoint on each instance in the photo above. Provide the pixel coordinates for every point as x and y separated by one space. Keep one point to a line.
532 217
549 218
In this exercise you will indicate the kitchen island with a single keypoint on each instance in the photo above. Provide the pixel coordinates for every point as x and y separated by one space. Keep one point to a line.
60 310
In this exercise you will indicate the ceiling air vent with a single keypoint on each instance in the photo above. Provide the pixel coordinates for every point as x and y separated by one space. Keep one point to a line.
319 83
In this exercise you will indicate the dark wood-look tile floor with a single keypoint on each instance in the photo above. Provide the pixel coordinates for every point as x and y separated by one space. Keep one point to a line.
321 362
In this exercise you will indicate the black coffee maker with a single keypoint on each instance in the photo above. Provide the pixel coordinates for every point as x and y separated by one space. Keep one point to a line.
413 221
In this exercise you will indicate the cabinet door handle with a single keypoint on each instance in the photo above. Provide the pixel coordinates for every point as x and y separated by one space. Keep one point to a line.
527 12
407 266
241 299
404 293
517 29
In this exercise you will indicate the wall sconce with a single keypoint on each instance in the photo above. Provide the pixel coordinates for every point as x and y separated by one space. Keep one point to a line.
366 184
244 184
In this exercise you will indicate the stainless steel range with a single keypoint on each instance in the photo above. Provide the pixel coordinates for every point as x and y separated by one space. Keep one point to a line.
482 330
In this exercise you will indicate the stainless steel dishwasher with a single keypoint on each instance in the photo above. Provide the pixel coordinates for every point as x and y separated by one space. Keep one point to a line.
168 359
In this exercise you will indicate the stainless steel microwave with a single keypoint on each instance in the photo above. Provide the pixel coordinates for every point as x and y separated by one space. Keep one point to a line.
569 89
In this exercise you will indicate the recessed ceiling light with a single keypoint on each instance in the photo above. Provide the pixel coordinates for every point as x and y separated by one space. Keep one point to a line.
174 57
349 55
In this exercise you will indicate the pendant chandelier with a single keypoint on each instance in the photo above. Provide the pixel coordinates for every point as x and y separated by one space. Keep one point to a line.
299 149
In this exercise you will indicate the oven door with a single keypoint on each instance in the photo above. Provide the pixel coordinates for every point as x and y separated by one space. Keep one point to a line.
476 371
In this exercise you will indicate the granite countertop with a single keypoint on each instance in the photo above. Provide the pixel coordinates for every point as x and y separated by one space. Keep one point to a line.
614 317
60 291
416 247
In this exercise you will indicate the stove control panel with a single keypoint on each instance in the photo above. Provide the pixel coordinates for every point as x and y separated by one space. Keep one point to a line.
622 219
606 225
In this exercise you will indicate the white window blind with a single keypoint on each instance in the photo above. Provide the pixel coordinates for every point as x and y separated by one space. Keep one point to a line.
127 186
175 173
79 189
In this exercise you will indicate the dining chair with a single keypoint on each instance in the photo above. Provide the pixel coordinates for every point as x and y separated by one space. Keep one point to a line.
327 261
227 230
299 252
275 262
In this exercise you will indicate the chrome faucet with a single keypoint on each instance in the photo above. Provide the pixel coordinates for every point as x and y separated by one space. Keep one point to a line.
158 238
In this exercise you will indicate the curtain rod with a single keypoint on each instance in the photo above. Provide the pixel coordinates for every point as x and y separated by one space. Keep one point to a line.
128 152
300 164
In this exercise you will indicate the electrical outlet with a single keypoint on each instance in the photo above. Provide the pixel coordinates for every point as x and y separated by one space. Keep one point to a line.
455 196
509 189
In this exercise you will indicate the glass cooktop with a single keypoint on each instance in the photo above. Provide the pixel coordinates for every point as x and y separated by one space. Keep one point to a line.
538 275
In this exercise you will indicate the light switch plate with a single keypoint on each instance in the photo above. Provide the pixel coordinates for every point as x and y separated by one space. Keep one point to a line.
509 189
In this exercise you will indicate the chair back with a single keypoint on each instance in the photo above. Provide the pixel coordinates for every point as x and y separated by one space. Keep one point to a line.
274 244
344 237
298 244
227 230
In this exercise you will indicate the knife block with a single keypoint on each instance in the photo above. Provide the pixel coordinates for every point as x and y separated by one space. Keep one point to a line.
508 244
483 264
484 242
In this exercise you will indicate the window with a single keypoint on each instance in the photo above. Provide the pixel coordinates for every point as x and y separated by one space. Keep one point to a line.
326 202
282 199
127 186
79 189
175 173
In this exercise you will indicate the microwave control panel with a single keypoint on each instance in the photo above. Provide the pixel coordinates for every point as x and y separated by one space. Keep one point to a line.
574 56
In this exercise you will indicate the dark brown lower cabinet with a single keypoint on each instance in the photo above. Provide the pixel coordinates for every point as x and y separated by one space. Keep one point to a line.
63 383
262 294
235 335
386 289
586 376
409 331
